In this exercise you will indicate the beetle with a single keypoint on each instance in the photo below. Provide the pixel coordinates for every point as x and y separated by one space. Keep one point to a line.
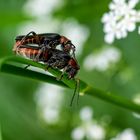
53 58
51 40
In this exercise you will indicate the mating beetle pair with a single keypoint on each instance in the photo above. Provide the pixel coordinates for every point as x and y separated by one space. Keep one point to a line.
46 51
43 48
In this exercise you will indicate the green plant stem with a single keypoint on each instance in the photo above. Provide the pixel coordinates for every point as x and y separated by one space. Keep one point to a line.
117 100
19 60
10 69
11 63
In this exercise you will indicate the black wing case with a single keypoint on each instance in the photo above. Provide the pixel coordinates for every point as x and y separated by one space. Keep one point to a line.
49 36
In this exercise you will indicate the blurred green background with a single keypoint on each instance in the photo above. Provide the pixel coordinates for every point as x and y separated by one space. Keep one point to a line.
31 110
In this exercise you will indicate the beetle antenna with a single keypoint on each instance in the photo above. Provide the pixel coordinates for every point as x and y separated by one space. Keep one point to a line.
32 32
77 89
74 93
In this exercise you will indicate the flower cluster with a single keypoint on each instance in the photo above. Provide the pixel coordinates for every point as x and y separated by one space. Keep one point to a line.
103 59
127 134
88 129
91 130
49 103
120 20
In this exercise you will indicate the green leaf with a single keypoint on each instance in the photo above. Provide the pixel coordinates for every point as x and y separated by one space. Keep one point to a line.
9 65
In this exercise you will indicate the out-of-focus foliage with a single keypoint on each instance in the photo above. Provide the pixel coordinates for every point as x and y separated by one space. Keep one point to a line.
19 117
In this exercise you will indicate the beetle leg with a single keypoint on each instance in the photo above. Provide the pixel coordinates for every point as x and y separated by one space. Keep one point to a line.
62 74
27 66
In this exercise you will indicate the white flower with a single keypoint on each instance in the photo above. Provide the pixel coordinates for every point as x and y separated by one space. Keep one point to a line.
120 20
127 134
96 132
102 60
77 33
86 114
39 8
78 133
49 101
88 129
121 7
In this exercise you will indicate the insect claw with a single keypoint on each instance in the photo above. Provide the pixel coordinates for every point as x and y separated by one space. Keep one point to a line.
27 66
